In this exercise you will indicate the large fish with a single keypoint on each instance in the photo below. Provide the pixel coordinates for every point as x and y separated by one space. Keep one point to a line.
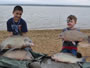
49 63
66 57
73 35
19 55
15 42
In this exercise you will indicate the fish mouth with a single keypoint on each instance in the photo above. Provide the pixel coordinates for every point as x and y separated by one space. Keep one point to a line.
32 44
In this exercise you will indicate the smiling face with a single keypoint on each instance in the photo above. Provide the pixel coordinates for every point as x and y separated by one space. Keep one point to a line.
71 23
17 15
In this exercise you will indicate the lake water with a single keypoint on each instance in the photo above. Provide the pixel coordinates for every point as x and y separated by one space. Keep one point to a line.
47 17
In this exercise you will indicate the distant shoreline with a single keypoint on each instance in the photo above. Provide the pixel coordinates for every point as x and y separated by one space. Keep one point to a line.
83 30
49 5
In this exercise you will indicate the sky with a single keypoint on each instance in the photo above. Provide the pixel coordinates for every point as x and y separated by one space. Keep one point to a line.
52 2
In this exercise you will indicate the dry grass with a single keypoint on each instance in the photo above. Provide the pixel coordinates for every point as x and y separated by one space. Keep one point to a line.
47 41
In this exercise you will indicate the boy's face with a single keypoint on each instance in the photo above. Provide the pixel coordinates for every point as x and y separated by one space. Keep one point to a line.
17 14
71 23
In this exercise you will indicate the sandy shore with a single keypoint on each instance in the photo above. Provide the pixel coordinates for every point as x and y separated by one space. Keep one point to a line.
47 41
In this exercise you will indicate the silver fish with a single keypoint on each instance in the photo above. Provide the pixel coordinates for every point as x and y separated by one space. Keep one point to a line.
66 57
73 35
49 63
16 42
18 54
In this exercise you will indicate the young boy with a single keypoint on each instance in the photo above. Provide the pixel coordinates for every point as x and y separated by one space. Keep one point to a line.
70 46
16 25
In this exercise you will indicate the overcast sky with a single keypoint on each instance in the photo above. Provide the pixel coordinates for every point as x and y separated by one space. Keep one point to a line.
56 2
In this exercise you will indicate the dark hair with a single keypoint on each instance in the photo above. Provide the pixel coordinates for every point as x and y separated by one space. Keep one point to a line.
72 17
18 8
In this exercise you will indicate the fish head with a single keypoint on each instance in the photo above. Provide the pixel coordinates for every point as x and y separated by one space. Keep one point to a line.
28 42
61 35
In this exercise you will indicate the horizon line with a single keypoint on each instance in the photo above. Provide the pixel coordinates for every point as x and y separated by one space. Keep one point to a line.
52 5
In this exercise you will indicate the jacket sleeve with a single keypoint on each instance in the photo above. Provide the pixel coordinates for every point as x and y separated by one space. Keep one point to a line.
9 26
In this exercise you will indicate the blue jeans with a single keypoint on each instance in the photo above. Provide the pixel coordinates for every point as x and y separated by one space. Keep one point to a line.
74 52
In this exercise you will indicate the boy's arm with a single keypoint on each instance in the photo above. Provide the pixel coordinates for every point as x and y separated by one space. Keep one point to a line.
24 29
9 26
9 29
